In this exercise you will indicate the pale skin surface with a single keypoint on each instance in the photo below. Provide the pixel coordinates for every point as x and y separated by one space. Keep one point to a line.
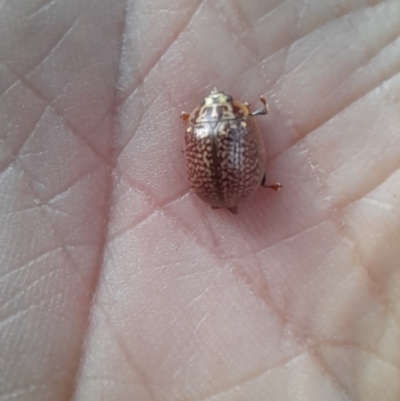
117 283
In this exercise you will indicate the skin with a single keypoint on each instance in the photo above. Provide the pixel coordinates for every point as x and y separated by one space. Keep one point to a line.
119 284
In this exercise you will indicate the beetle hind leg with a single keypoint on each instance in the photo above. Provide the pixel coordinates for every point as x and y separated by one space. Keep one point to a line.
232 209
276 187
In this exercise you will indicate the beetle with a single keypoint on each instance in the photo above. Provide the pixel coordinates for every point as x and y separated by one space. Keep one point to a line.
225 157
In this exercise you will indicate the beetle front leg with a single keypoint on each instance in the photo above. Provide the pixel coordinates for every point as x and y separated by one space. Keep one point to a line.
264 110
184 116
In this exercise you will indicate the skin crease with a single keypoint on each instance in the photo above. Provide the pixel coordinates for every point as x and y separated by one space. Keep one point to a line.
117 283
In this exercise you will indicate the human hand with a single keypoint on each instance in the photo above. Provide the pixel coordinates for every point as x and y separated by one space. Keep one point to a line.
118 283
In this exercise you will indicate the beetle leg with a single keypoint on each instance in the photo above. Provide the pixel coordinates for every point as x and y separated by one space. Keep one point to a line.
264 110
276 187
184 116
233 209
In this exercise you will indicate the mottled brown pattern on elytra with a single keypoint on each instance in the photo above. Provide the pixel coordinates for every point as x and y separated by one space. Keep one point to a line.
224 152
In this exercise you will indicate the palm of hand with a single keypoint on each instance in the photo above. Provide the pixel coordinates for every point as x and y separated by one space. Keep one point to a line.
295 298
